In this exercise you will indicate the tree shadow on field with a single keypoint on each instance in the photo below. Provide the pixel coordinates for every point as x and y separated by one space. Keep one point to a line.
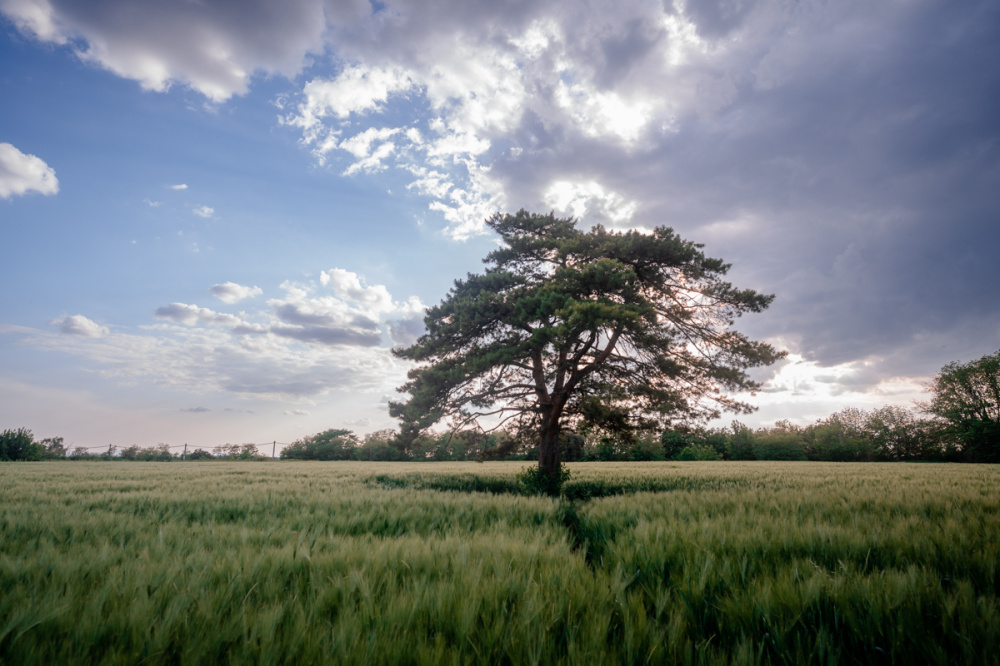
590 536
572 491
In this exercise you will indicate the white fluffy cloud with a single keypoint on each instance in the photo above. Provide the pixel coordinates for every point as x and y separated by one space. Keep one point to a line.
80 326
230 292
21 173
350 286
213 47
353 313
204 211
590 201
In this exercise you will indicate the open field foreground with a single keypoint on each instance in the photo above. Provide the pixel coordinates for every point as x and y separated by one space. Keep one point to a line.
372 564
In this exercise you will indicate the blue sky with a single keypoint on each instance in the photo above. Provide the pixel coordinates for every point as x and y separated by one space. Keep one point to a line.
218 217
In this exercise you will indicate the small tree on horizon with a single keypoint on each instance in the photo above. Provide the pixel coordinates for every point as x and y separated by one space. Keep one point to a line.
621 332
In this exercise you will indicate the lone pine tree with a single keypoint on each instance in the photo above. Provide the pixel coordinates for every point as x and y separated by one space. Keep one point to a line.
618 331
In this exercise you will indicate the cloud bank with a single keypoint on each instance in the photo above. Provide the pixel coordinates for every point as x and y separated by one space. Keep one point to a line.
316 338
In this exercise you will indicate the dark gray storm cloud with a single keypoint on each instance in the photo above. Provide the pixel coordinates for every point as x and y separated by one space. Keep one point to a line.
854 171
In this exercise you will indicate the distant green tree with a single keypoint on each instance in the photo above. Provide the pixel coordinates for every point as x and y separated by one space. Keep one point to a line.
622 332
784 441
133 452
247 452
829 441
19 445
897 434
739 445
330 444
501 445
54 448
645 447
967 398
607 449
674 440
236 452
842 437
379 446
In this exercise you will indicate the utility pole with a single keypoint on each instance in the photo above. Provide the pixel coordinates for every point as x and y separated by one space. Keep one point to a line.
185 454
274 446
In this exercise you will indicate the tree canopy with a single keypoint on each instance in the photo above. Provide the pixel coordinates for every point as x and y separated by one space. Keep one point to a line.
331 444
617 331
967 397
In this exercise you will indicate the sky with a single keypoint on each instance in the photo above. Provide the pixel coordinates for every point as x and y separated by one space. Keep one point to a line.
217 217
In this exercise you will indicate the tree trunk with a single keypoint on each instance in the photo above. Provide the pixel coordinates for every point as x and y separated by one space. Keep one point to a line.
548 450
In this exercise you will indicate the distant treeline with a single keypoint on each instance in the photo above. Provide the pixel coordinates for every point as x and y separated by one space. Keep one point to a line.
890 433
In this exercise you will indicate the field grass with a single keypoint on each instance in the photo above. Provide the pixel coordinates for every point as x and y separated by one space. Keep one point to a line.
362 563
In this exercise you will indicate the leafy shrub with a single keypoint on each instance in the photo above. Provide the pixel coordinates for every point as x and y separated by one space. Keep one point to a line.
534 481
20 445
693 452
328 445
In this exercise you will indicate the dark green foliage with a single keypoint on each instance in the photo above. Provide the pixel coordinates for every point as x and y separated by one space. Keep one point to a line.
967 398
694 452
831 441
890 433
327 445
379 446
782 442
465 483
19 445
567 328
200 454
501 445
740 443
672 442
572 447
534 481
606 450
897 434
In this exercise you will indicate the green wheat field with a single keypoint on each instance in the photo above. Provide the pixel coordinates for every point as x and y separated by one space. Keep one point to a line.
361 563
